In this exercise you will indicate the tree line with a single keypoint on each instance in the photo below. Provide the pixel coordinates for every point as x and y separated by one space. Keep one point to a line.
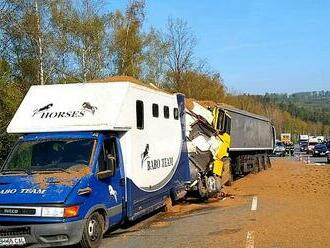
285 120
69 41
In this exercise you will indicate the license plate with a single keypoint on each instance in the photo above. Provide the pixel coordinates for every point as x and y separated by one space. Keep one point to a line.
12 241
322 153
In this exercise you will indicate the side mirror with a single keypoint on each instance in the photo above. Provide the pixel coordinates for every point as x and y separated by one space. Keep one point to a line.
104 174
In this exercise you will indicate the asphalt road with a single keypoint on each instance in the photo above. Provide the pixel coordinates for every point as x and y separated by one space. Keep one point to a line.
283 207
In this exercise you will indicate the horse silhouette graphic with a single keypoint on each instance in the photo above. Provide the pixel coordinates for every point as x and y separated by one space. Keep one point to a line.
145 155
112 192
87 106
37 111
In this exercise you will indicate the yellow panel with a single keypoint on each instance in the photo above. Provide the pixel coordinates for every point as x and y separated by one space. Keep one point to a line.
217 167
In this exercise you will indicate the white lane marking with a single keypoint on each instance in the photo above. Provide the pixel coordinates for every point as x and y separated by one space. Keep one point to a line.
250 239
254 203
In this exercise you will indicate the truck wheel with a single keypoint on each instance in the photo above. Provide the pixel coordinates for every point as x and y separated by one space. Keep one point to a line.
93 231
213 186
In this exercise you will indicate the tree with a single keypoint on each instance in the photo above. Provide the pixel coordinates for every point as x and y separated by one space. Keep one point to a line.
155 55
127 40
5 71
10 97
181 43
81 31
22 32
202 86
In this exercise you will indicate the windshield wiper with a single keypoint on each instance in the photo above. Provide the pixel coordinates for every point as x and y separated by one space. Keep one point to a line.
5 172
52 170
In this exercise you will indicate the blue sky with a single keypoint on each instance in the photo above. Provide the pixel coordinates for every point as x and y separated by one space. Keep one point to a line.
258 46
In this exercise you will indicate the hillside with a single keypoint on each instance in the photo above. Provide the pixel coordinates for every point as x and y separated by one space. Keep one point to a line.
309 106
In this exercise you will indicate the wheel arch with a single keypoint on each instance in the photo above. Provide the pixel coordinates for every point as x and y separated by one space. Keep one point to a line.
101 209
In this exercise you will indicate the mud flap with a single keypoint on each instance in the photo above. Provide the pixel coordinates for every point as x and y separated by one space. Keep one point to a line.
227 176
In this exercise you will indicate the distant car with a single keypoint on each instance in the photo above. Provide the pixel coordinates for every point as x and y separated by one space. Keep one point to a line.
310 148
320 150
303 146
328 145
279 149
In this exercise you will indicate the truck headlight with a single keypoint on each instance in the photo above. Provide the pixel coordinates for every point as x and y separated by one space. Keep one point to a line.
60 212
52 212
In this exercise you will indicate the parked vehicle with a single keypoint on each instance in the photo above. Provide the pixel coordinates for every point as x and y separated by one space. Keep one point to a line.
320 150
279 149
286 140
328 145
303 146
303 137
311 145
94 155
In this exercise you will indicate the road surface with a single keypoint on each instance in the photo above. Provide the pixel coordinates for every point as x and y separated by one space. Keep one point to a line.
286 206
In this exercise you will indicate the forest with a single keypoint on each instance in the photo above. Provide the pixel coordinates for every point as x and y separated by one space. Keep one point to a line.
51 42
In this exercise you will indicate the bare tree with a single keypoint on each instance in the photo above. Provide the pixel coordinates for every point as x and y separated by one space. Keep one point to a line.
181 43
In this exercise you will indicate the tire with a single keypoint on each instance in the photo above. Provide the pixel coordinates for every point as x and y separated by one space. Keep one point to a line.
213 186
93 231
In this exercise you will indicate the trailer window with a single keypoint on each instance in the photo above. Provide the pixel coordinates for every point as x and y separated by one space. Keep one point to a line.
139 115
166 112
176 113
155 110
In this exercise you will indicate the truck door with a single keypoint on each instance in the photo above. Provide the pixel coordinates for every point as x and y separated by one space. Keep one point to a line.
113 186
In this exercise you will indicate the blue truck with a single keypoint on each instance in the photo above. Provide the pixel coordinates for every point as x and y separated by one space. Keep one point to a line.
90 156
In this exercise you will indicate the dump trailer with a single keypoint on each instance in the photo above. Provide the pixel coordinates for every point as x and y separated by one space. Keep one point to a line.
252 141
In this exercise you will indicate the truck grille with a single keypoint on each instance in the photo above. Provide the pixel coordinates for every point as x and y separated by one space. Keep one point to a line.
17 211
14 231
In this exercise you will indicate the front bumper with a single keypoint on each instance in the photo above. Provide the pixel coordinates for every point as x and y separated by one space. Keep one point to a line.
320 154
46 235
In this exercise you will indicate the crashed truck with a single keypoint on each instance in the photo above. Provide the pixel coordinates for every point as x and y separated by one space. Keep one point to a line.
94 155
224 143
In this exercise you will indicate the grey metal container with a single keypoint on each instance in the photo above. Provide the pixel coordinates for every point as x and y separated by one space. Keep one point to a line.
250 132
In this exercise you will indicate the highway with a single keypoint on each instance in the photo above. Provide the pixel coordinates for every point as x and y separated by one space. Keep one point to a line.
283 207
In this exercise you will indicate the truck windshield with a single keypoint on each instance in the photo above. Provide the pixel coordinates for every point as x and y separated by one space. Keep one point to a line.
50 155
